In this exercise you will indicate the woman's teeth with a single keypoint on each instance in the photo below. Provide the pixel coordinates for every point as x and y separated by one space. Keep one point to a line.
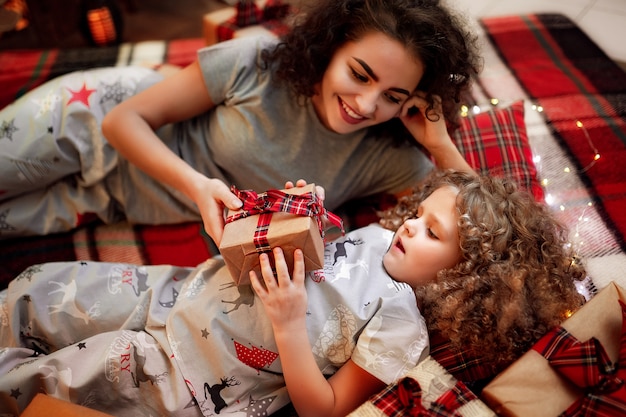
350 112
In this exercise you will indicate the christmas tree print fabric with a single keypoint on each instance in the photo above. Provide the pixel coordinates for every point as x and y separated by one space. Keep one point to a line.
165 340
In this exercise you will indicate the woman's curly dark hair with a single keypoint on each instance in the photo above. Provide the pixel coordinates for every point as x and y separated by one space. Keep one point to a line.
431 32
516 278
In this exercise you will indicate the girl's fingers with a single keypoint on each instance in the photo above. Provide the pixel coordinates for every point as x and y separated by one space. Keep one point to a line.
298 266
266 270
282 271
256 284
279 275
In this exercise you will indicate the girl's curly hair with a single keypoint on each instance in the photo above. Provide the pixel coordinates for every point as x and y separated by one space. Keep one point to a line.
430 32
516 277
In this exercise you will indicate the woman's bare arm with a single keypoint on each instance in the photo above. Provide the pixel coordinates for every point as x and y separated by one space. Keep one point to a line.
130 128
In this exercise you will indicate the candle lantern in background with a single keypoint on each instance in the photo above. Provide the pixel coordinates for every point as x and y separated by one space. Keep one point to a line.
102 21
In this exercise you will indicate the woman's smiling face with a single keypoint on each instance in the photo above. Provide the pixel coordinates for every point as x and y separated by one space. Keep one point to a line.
366 83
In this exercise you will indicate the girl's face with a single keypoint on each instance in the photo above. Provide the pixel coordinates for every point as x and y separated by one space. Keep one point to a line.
366 83
428 243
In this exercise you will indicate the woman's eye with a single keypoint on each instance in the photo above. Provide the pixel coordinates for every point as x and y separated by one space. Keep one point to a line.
393 99
359 76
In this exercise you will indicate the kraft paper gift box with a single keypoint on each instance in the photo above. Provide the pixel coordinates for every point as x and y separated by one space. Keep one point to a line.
247 18
561 386
270 219
428 389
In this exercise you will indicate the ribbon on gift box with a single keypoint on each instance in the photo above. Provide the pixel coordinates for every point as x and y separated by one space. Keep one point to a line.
587 365
248 14
405 399
274 201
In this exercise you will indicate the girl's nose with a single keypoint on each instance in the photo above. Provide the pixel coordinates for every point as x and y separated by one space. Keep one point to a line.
412 226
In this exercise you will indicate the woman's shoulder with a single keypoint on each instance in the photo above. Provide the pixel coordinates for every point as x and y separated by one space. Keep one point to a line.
239 45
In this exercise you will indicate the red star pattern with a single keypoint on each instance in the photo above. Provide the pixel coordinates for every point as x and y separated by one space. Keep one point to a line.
255 357
80 96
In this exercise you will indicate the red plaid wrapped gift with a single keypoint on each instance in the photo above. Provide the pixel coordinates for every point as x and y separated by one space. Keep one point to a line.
427 390
247 18
578 369
288 219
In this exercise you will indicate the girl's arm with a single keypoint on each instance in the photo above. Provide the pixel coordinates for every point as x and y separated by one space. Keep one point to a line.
285 302
433 135
130 127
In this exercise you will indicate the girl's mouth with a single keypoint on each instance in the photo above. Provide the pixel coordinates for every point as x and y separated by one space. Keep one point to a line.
400 246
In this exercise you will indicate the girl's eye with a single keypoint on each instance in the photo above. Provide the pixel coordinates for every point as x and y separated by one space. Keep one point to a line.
360 77
432 234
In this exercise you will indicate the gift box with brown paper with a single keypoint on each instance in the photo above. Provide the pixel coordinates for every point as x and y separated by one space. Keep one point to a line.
288 219
247 18
577 369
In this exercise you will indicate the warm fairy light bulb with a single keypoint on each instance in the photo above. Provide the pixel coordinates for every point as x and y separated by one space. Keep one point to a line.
544 182
494 101
476 109
596 157
579 123
567 170
562 207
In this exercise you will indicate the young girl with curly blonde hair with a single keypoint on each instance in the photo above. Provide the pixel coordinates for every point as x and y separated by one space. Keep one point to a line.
489 266
515 279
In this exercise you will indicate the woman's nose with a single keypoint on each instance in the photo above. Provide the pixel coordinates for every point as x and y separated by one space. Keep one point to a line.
367 103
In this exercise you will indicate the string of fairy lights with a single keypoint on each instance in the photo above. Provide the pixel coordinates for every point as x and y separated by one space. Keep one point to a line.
576 238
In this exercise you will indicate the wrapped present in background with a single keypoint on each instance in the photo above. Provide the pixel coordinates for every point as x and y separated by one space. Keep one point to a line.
247 18
289 219
426 390
576 369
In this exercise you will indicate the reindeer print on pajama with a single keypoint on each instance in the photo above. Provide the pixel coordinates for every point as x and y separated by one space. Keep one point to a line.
163 340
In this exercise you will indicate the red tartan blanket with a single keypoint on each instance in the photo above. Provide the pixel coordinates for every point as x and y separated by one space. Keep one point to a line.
545 59
562 70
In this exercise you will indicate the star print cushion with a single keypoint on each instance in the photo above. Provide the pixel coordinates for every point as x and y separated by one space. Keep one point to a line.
53 137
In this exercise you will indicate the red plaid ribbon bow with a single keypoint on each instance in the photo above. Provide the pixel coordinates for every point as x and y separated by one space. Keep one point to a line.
248 14
405 399
588 366
273 201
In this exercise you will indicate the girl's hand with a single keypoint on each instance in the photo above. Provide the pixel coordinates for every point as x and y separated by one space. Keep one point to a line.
284 298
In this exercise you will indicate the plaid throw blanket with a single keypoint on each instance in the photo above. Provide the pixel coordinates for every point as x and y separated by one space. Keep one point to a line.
579 132
544 59
572 80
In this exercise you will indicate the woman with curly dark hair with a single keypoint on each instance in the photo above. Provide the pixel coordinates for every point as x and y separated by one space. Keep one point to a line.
514 282
333 101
